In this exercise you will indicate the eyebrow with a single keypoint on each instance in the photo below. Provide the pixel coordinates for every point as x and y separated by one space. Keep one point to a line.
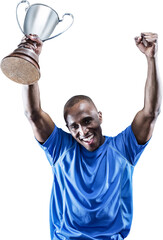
87 118
82 120
72 124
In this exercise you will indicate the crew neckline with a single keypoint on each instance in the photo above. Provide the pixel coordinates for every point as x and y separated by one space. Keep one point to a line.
96 152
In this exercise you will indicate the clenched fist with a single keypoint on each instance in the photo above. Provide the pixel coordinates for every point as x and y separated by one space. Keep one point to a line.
147 44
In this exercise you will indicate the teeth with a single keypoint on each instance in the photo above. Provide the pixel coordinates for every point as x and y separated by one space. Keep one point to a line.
88 138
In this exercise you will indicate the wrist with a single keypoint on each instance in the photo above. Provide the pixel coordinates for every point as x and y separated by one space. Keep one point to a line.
151 58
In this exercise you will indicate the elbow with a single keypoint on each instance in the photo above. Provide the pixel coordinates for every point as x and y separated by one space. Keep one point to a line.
27 114
156 113
32 116
153 114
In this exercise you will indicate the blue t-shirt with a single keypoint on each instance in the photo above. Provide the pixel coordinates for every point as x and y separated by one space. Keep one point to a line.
92 191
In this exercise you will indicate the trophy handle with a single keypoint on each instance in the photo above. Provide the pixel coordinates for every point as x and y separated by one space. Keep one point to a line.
23 1
60 20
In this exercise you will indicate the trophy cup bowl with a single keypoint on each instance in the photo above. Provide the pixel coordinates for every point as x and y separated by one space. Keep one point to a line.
22 65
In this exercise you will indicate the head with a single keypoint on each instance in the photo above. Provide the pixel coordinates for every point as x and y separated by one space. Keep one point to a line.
84 121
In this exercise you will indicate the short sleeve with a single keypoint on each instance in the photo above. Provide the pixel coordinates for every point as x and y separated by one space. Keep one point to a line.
127 145
57 143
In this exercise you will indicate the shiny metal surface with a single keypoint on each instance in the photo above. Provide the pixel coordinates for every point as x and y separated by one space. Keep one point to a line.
41 19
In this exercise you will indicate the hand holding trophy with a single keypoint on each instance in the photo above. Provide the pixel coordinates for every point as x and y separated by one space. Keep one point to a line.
22 65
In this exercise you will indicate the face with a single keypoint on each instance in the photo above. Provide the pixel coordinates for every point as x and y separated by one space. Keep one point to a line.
84 124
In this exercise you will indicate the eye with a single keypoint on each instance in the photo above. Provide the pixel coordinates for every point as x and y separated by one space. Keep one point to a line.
74 127
87 121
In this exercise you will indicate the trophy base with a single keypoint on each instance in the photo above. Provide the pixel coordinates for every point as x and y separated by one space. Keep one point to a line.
20 70
22 65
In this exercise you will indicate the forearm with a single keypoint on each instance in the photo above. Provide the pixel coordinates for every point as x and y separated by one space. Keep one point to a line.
31 99
153 94
144 121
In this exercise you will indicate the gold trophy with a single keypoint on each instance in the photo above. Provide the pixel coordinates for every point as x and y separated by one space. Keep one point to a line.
22 65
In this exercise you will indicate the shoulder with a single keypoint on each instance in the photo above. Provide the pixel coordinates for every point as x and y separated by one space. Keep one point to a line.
126 144
58 139
58 143
120 137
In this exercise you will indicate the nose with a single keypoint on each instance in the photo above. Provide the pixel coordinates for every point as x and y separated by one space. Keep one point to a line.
82 131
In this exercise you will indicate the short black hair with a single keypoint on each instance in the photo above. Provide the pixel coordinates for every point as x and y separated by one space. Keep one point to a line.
73 100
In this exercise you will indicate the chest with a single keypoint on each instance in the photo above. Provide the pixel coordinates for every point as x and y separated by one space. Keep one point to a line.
92 177
90 188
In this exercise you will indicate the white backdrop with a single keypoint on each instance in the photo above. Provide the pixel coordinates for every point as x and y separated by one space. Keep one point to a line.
96 57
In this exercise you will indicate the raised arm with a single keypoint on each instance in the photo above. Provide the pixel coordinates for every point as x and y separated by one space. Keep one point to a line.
41 122
144 121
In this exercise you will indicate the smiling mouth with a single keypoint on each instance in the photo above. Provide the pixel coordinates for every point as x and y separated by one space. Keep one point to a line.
87 140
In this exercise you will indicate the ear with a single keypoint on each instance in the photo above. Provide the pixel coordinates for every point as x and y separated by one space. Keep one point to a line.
100 116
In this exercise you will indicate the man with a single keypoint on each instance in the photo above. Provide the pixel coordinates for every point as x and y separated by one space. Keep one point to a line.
92 189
